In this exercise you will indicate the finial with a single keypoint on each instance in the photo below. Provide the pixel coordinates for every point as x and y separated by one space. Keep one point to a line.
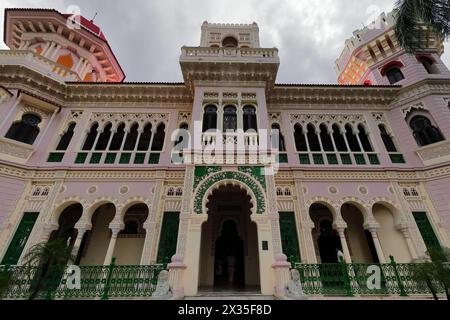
92 20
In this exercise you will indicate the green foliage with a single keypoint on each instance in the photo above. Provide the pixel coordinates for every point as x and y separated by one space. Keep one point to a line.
412 15
50 258
435 271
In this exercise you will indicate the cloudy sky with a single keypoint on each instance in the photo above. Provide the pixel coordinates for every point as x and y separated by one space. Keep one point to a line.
146 35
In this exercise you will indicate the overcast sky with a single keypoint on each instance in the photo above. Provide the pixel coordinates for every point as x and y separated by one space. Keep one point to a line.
146 35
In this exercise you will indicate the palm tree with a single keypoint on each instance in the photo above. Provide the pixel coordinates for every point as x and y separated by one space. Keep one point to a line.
413 15
49 259
435 271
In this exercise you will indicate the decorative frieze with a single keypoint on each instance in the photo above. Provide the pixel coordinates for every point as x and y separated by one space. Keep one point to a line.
435 153
330 119
16 149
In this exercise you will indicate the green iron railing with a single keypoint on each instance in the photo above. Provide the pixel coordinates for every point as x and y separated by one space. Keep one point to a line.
349 279
103 282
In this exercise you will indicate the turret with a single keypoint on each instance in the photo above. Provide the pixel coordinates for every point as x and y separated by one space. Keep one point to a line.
62 46
374 56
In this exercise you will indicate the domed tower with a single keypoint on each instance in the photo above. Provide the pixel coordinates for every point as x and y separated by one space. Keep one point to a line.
62 46
374 56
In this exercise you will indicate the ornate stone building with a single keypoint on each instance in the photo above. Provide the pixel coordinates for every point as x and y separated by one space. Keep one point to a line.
228 174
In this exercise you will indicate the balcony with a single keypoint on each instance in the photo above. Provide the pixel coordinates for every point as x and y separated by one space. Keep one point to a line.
38 63
435 153
216 54
105 282
15 151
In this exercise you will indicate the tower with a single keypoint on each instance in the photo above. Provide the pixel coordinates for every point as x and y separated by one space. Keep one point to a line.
374 56
61 46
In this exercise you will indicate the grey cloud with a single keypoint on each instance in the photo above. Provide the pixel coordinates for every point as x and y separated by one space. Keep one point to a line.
146 36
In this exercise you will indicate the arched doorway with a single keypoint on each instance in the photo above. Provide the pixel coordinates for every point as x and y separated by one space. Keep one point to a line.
229 264
327 241
361 245
392 241
95 244
66 224
130 241
229 257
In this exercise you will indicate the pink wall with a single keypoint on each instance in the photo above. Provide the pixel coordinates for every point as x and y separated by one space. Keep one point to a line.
439 191
10 193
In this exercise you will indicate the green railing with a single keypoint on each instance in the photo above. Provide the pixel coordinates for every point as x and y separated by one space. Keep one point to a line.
349 279
101 282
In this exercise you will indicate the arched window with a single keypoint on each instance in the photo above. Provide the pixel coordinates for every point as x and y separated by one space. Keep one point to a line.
66 138
170 192
103 139
351 139
249 118
287 192
37 192
210 118
424 132
406 192
91 136
180 139
45 191
414 192
229 118
230 42
146 136
179 192
313 139
158 140
25 130
387 139
116 142
327 143
279 192
299 137
281 143
364 138
130 141
394 74
339 139
429 65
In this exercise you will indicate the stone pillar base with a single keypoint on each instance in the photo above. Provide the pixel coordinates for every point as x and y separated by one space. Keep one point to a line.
176 270
282 277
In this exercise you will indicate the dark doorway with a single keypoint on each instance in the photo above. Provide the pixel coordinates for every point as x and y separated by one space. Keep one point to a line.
328 242
229 269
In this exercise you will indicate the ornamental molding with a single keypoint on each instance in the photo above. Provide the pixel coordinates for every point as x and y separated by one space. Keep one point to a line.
329 119
435 153
116 118
16 149
220 178
412 108
421 89
184 117
347 97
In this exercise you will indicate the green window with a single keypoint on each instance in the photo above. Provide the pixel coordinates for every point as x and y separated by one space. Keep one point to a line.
20 238
426 230
304 158
55 157
289 238
168 237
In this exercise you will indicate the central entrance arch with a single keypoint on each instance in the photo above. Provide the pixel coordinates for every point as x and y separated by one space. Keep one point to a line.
229 257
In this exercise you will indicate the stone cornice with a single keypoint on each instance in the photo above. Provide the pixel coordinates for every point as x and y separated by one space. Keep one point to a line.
346 96
422 89
178 175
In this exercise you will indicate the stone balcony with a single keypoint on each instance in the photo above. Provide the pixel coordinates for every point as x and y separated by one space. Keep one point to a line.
15 151
220 64
38 63
222 54
435 153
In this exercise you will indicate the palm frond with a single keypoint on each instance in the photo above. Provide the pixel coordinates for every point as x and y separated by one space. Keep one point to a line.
417 18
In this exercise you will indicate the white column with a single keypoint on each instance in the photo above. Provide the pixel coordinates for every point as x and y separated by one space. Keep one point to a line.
111 246
405 231
76 246
341 231
376 242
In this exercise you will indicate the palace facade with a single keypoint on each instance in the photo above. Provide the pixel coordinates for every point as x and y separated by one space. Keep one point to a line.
230 177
